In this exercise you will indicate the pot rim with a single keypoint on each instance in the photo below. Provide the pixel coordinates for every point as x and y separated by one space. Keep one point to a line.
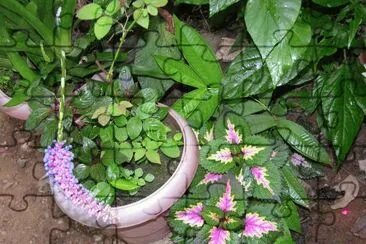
21 111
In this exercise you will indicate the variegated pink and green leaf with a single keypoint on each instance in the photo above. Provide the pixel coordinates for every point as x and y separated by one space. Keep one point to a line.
212 215
217 157
227 203
217 235
267 181
191 215
255 150
233 136
241 127
256 226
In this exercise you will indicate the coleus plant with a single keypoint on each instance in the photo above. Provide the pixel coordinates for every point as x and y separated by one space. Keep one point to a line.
246 188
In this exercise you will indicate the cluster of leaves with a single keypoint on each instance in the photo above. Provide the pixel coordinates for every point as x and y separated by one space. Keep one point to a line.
291 50
246 189
126 134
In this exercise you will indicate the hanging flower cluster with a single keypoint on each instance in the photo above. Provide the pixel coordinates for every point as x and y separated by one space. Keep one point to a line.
59 166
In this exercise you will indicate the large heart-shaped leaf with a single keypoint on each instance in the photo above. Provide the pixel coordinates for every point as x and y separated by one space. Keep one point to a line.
246 76
342 114
302 141
198 53
268 21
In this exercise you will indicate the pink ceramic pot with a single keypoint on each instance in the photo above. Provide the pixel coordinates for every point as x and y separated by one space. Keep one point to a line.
21 111
143 221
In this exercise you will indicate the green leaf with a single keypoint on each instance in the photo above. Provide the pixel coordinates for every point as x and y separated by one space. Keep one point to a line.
139 172
134 127
49 133
331 3
288 51
81 171
158 3
152 10
125 185
113 7
97 172
141 19
268 21
157 41
302 141
101 190
149 177
153 156
36 117
288 211
104 119
150 144
120 134
90 11
113 172
125 149
260 122
194 2
149 108
102 26
155 129
178 137
353 26
121 121
295 189
179 71
106 134
99 112
139 153
219 5
246 76
171 150
342 115
18 97
198 53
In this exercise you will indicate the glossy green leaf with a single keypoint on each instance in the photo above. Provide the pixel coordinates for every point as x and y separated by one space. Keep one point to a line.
121 121
104 119
90 11
268 21
18 97
179 72
189 102
247 75
49 133
198 53
342 115
288 51
170 149
149 178
134 127
36 117
260 122
120 133
138 172
125 185
155 129
113 172
139 153
295 189
126 151
102 26
158 3
141 19
302 141
219 5
97 172
106 134
288 211
101 190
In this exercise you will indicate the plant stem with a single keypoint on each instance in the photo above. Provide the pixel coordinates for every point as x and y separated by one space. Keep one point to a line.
62 97
122 40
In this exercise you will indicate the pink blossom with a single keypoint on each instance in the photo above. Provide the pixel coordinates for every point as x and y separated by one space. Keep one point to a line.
58 161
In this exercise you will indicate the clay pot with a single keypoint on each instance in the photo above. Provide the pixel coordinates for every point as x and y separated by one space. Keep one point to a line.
21 111
143 221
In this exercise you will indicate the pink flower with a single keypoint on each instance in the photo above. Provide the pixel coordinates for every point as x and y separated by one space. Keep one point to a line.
59 166
257 226
191 216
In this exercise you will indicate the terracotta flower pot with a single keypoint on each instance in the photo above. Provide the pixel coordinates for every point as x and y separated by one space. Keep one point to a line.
21 111
143 221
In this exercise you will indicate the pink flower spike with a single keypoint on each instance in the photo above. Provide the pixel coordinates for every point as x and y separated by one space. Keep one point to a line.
210 178
219 236
223 156
232 135
250 151
260 174
257 226
226 202
191 216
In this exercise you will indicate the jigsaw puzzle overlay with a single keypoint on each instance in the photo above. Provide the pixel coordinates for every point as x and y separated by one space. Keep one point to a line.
29 213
